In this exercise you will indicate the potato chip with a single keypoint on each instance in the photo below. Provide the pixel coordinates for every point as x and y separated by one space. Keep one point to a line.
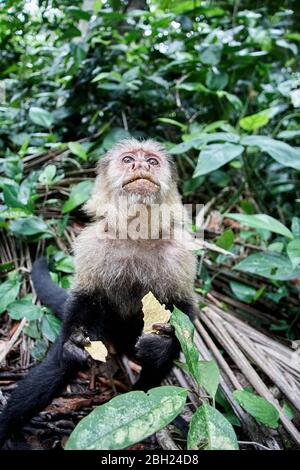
97 350
154 312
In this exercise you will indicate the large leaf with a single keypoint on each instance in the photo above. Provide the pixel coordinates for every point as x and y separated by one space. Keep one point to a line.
269 265
209 430
259 407
8 293
216 155
260 119
243 292
280 151
293 251
262 221
77 149
204 138
127 419
79 194
25 308
184 331
51 327
41 117
209 376
64 263
205 373
30 226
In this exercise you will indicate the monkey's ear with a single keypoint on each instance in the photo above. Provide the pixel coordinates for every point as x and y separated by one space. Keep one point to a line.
95 200
174 171
100 190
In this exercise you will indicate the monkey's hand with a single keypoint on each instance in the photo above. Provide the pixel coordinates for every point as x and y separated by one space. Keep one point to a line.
152 349
73 348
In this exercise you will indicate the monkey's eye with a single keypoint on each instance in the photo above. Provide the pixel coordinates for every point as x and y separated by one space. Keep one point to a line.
127 159
152 161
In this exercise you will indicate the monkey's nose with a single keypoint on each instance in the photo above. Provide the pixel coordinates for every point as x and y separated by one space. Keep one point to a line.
141 166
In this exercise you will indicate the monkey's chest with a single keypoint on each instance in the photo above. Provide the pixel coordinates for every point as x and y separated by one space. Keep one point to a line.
124 272
130 272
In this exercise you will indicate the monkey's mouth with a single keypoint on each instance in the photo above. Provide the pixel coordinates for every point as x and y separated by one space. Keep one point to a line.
141 185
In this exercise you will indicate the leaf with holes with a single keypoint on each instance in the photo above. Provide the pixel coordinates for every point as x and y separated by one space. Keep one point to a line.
209 430
127 419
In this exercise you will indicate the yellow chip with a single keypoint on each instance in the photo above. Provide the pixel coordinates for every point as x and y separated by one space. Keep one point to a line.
154 312
97 350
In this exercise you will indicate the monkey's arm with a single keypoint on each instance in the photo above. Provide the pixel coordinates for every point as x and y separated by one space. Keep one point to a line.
46 380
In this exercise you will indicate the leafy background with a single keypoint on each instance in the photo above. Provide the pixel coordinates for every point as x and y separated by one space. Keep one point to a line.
217 82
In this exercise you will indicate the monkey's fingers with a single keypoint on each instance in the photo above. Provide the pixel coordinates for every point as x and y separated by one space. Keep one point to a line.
80 338
164 329
75 354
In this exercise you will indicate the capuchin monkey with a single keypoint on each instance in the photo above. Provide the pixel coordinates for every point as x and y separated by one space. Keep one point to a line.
119 258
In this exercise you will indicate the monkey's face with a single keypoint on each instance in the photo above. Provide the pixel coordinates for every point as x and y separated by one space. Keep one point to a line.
140 173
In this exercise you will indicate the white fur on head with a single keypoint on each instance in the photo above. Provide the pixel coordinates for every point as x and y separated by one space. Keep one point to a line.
108 183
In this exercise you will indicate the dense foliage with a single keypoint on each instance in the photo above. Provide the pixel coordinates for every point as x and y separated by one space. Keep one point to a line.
215 81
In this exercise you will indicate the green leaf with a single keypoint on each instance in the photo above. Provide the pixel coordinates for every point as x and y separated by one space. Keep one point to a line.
10 196
209 430
260 408
288 411
296 227
31 329
269 265
172 122
262 221
233 99
39 349
65 264
127 419
79 194
78 150
216 80
211 54
209 376
202 139
8 293
226 240
280 151
41 117
184 331
293 252
25 308
48 174
243 292
50 327
216 155
32 225
289 135
13 214
257 120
